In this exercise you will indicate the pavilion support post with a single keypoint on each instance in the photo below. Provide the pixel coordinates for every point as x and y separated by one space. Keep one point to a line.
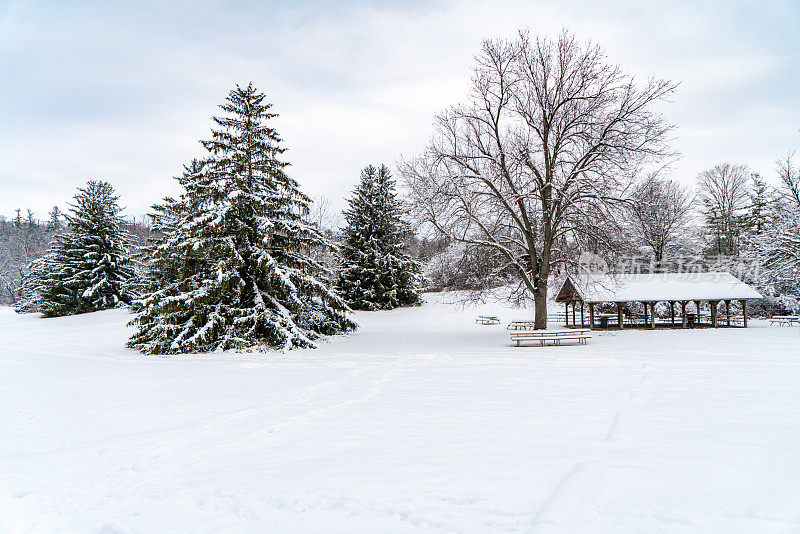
672 312
653 315
727 312
583 323
591 315
683 312
574 304
714 306
645 313
697 302
744 311
619 315
566 314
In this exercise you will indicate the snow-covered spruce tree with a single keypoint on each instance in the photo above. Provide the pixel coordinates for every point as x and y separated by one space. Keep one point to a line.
233 269
88 267
29 300
376 273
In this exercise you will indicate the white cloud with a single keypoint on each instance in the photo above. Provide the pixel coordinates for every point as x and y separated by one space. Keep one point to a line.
124 92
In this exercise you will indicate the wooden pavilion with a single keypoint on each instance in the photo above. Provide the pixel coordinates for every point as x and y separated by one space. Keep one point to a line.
618 291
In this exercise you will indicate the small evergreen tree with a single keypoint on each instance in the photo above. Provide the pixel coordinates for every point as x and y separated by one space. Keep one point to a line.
55 219
233 269
20 244
88 267
29 300
761 205
376 272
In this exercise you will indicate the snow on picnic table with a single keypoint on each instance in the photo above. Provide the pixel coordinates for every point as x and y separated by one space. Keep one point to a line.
422 421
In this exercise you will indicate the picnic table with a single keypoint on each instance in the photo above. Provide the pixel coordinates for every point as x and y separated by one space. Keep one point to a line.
542 337
529 324
487 319
520 325
785 320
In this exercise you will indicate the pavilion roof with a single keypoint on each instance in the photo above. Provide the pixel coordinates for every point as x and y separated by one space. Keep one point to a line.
622 287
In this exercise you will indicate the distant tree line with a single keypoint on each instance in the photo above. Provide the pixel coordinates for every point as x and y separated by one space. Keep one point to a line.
730 219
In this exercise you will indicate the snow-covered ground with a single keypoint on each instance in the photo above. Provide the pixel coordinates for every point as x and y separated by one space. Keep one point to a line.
422 421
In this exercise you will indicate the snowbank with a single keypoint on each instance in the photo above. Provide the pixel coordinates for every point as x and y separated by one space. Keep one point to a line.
422 421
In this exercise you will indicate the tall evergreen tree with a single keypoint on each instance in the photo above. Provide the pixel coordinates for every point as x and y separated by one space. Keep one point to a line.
233 269
88 267
376 272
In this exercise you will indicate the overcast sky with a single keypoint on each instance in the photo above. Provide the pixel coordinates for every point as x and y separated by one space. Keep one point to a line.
123 90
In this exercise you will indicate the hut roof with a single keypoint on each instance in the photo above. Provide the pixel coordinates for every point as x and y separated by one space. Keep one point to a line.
621 287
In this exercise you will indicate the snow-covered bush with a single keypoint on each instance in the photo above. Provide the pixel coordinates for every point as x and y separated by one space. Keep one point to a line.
774 305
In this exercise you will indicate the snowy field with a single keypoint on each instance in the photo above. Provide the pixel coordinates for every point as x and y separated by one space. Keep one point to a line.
422 421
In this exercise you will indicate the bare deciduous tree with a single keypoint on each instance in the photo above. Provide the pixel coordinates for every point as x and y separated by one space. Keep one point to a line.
323 215
547 144
660 212
790 182
784 247
724 192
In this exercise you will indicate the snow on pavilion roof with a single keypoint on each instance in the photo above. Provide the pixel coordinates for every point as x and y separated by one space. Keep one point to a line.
621 287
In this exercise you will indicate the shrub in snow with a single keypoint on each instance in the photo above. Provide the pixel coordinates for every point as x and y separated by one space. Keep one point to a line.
376 272
787 304
442 270
233 268
774 305
460 266
88 267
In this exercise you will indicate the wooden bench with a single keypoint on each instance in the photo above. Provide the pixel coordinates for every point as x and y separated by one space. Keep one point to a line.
554 336
487 319
785 320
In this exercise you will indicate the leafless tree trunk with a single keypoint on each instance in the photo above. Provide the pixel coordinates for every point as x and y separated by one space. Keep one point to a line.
548 143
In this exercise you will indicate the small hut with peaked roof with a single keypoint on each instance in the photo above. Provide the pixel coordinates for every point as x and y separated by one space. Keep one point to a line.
681 289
